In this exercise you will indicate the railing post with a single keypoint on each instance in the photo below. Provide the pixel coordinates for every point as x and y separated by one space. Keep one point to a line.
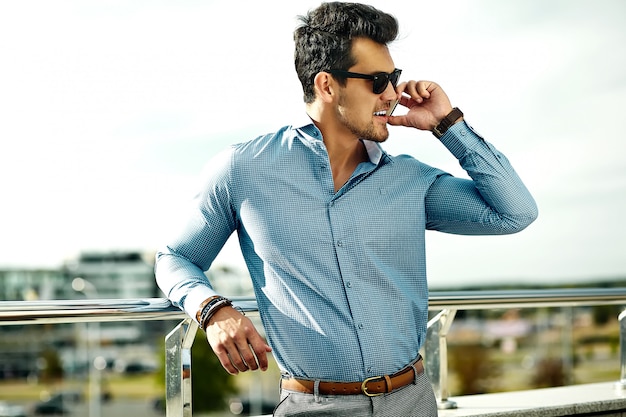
178 369
437 356
621 384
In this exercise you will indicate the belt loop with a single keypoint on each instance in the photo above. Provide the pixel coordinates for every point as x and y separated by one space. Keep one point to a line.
316 391
414 374
388 383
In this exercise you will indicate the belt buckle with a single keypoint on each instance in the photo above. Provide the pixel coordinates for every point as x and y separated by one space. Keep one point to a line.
364 386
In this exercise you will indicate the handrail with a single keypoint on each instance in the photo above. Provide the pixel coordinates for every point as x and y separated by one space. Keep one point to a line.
467 300
179 341
93 310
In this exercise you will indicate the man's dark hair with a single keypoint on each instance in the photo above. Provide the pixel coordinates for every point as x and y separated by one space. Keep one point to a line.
324 39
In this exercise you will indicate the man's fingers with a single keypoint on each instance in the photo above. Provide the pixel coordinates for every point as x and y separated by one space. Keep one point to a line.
423 88
236 342
416 91
254 353
260 349
397 120
239 363
244 358
226 362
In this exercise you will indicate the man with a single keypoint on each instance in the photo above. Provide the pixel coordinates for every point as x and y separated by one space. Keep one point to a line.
332 228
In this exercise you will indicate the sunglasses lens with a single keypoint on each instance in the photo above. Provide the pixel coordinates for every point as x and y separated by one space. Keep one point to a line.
394 77
382 80
380 83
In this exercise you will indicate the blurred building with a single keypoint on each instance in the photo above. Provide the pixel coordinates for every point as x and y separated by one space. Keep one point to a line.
126 346
112 275
31 284
104 275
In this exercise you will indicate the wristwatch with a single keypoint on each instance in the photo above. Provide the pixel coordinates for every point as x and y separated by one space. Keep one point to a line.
447 121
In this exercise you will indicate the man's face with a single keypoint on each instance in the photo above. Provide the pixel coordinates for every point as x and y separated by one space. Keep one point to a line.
358 105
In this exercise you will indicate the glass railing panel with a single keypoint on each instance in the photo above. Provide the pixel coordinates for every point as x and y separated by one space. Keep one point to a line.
96 369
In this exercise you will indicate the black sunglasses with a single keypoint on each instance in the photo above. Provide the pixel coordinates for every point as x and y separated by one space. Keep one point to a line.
381 79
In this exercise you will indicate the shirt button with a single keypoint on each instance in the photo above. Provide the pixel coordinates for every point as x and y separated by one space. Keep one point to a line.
340 243
349 284
361 326
369 370
463 132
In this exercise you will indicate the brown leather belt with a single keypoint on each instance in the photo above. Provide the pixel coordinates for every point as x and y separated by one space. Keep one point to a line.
371 387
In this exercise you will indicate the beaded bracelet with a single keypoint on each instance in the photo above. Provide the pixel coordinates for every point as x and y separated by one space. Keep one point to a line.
211 308
202 307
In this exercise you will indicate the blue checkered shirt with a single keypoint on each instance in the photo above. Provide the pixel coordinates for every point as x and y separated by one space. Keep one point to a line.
339 277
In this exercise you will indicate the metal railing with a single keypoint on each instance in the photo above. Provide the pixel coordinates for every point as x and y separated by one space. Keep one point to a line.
179 340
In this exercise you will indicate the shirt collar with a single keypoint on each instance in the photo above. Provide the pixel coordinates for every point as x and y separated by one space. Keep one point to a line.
309 132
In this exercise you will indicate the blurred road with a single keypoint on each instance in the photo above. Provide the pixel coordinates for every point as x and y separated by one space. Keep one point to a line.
114 408
119 408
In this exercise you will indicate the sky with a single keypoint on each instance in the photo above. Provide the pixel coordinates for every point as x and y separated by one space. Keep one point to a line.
110 109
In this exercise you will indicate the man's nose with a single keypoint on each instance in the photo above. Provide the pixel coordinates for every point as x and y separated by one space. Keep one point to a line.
389 93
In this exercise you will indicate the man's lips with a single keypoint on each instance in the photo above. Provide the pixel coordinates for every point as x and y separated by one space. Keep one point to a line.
387 111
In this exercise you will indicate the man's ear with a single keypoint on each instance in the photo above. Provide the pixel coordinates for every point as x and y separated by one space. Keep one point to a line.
325 86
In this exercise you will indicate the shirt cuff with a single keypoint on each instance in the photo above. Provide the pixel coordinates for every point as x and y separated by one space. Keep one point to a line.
195 298
461 138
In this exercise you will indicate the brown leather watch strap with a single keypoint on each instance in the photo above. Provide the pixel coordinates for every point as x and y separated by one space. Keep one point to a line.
447 121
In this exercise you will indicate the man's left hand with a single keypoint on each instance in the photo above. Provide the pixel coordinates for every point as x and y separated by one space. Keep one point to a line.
428 104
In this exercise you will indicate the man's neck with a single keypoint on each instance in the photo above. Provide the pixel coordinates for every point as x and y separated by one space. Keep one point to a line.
345 150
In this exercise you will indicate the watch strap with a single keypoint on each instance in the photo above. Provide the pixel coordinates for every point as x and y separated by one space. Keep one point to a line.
447 121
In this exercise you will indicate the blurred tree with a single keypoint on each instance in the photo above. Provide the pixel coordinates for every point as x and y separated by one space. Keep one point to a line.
550 373
472 367
51 369
603 314
211 384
